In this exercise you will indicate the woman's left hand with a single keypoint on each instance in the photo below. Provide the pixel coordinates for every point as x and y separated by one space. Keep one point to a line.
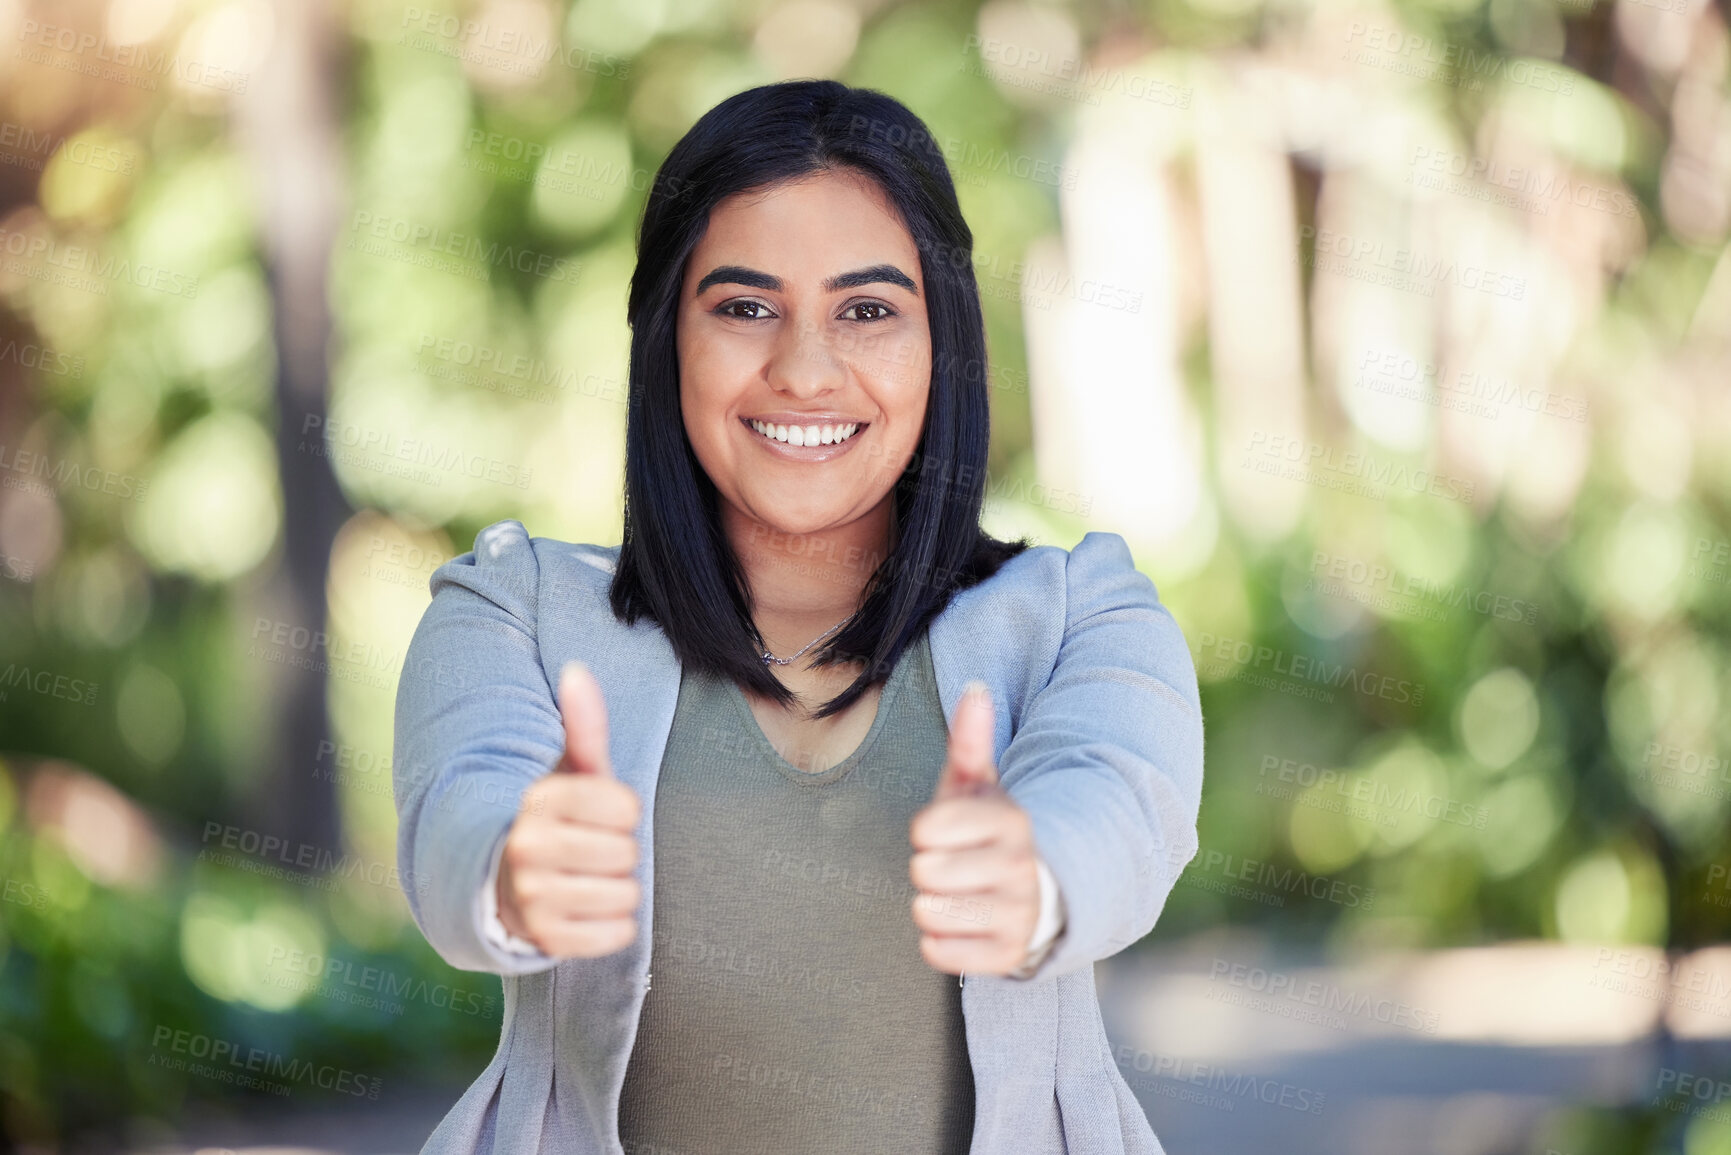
973 862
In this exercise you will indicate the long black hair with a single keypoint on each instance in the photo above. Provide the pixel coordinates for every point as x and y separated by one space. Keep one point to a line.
676 566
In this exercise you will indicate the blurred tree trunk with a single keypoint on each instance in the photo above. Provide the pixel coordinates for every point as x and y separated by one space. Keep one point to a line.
287 124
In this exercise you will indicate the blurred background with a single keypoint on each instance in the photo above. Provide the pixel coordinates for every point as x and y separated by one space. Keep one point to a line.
1395 337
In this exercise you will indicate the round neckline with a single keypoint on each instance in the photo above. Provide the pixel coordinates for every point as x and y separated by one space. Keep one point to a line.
886 698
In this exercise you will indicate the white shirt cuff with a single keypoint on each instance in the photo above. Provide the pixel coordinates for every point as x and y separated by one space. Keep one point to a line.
491 925
1047 926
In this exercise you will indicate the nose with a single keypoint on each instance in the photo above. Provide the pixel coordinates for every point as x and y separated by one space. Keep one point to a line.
803 362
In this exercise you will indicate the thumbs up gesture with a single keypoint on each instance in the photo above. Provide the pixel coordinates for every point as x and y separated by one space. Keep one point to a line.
565 880
973 861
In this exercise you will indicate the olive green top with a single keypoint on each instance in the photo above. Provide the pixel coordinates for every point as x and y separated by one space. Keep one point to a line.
789 1009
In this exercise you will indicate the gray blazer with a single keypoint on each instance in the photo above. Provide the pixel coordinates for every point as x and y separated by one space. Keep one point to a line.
1099 739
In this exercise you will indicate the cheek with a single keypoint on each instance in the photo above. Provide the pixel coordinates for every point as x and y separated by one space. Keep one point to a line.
902 374
702 382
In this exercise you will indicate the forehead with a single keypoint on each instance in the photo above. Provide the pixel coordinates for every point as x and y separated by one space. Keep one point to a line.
813 226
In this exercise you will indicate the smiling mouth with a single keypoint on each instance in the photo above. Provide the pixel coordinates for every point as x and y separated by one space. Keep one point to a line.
807 435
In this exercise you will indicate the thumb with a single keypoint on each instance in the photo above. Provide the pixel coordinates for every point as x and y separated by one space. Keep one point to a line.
583 711
968 768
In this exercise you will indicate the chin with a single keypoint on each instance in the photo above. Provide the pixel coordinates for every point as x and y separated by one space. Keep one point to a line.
802 526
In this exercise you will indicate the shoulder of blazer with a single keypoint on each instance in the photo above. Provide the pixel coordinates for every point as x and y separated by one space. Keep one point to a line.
1043 586
1018 586
520 573
575 562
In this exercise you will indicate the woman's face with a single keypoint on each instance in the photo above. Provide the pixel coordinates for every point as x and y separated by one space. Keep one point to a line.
803 309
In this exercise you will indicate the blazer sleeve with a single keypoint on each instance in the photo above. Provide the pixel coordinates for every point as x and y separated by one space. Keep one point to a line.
1107 760
476 723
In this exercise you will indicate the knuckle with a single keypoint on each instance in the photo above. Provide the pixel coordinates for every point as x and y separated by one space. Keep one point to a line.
517 852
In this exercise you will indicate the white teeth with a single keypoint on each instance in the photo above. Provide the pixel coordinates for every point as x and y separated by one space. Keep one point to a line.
807 434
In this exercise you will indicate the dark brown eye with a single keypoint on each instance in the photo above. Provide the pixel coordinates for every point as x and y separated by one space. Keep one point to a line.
728 309
882 310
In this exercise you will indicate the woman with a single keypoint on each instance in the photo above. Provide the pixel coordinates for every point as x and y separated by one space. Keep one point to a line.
727 870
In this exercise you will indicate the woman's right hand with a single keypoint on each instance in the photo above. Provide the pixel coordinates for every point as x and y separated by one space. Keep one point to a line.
565 881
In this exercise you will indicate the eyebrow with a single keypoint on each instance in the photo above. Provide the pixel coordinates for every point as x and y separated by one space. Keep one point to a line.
871 275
